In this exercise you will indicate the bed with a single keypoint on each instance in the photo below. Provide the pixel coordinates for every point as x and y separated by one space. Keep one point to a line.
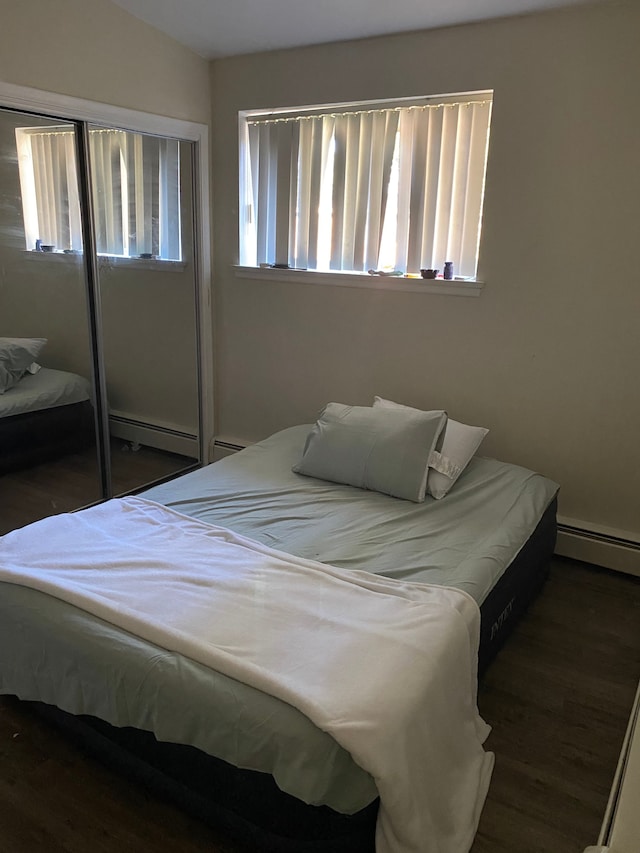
43 416
287 785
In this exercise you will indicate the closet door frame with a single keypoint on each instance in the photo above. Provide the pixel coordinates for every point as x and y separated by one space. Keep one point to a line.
78 109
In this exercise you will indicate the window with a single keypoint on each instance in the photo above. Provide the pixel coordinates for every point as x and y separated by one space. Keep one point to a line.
136 191
387 186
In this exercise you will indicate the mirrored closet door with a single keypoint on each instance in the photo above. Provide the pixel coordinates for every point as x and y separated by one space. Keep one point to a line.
98 314
144 227
48 450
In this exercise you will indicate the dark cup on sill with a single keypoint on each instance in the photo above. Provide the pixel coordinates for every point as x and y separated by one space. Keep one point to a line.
429 273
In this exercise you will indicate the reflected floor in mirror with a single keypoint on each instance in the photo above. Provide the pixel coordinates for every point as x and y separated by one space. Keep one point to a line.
68 483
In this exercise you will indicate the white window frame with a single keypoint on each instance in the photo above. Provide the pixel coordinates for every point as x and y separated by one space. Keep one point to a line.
281 185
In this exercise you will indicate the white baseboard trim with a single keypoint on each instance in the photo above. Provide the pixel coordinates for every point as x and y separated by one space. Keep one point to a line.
603 546
168 437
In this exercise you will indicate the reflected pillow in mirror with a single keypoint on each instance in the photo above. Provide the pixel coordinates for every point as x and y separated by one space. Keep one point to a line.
16 357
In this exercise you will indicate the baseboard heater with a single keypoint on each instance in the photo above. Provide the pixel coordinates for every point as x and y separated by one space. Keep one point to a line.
162 436
611 549
225 447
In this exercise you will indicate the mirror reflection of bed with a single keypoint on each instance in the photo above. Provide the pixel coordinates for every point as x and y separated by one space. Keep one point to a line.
48 453
45 415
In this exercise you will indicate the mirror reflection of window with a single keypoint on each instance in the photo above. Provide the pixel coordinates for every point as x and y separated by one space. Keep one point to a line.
136 192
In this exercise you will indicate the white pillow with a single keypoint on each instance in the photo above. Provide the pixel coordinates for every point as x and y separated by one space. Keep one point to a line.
384 450
458 448
16 355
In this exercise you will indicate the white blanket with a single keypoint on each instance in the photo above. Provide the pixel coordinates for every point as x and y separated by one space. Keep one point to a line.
387 668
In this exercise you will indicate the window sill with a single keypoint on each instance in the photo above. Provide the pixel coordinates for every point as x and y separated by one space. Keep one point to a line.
456 287
107 262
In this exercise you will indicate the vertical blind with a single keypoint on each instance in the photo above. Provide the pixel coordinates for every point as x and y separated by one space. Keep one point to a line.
396 188
136 191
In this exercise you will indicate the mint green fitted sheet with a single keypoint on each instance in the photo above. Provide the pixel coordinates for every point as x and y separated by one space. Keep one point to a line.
465 540
53 652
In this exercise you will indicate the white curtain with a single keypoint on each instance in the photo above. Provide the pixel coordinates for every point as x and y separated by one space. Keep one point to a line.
110 196
442 157
364 153
325 191
136 191
312 153
293 166
49 188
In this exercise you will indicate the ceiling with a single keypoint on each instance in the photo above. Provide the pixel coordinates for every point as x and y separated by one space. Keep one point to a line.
218 28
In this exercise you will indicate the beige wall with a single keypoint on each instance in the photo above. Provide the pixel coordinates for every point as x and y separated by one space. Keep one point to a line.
547 357
93 49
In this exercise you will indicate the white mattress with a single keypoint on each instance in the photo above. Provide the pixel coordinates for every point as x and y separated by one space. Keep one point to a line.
45 389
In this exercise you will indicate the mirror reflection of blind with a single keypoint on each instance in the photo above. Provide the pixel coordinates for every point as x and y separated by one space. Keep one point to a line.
54 189
136 191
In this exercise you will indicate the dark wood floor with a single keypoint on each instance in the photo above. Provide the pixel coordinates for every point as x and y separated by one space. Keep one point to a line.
558 697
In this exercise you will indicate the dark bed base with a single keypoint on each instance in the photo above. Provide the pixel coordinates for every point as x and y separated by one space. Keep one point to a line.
35 437
247 805
518 586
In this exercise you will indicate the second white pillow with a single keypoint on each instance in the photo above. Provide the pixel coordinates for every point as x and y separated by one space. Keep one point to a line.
459 445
